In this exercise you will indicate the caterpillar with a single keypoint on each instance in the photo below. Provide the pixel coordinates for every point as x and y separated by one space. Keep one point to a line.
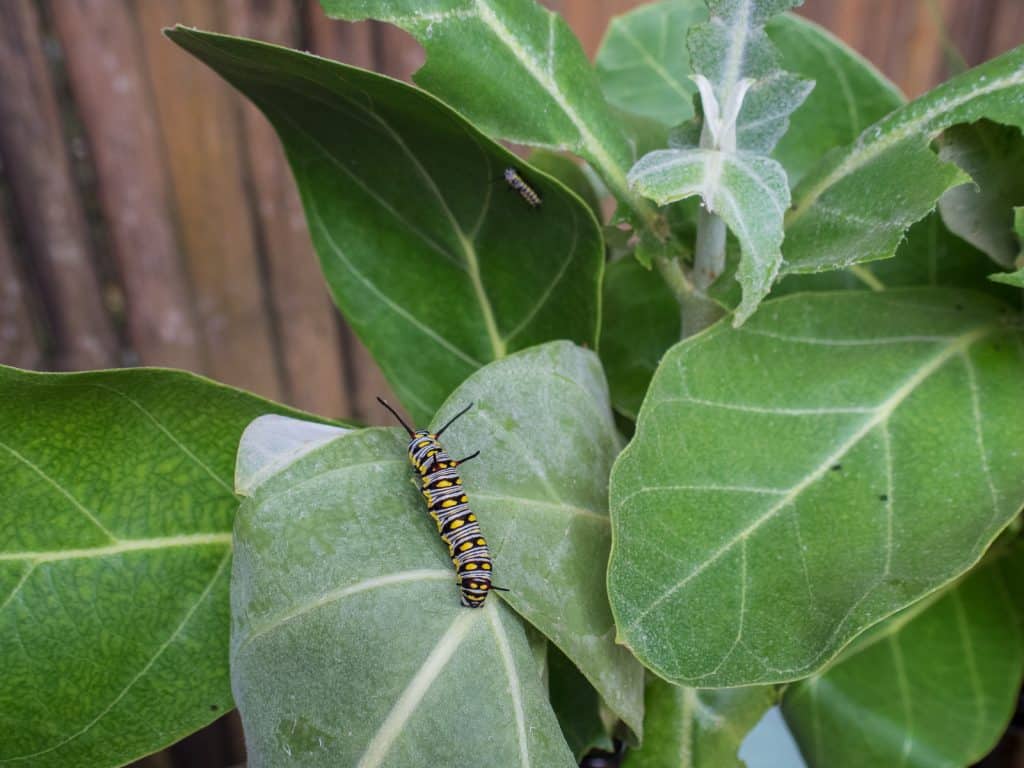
448 506
515 181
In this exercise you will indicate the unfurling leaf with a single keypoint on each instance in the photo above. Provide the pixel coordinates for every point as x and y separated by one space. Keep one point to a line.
747 190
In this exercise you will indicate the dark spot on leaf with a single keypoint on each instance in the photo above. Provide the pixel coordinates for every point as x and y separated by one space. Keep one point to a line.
836 467
214 707
883 497
959 306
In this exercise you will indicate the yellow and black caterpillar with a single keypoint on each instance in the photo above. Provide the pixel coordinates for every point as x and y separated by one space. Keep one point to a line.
449 508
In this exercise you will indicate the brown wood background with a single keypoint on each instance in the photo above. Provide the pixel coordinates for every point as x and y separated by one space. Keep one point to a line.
148 217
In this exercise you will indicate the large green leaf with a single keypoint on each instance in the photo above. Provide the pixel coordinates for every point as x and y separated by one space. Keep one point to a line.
856 204
114 549
437 264
747 190
690 728
765 514
516 70
543 423
349 646
981 212
934 686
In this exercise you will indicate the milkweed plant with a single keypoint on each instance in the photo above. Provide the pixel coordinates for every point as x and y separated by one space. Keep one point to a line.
743 334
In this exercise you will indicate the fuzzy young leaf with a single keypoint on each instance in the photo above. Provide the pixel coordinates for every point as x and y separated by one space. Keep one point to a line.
517 71
425 249
732 47
544 428
727 568
699 729
114 559
747 190
981 212
857 203
934 685
645 73
348 644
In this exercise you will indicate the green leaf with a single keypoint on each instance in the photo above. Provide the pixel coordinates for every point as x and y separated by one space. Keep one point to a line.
748 191
1015 278
856 204
517 71
934 685
427 252
577 706
640 321
690 728
982 212
349 645
929 255
764 515
732 51
543 425
643 69
1009 278
114 552
849 93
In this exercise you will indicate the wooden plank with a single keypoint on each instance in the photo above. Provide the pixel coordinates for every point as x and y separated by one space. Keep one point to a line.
1007 29
199 118
32 145
349 42
18 343
306 324
589 18
107 77
398 54
353 44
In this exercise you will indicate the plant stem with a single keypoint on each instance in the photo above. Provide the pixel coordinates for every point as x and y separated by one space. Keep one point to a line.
709 258
696 310
672 273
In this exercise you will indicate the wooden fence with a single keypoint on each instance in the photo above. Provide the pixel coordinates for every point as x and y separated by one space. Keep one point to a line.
148 217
